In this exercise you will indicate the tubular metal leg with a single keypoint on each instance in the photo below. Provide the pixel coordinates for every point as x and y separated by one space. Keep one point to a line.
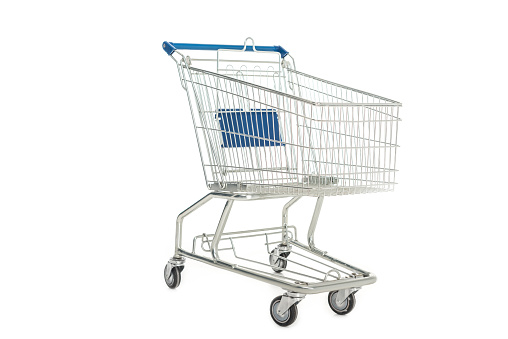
219 195
285 218
296 289
220 229
179 222
313 223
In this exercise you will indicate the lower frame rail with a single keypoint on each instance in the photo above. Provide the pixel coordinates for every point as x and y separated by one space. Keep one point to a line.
304 263
315 288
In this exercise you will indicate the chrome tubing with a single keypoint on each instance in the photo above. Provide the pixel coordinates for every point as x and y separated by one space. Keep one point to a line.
313 223
220 229
181 216
285 217
322 287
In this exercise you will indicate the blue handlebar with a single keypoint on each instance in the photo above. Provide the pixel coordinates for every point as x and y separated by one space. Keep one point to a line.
171 47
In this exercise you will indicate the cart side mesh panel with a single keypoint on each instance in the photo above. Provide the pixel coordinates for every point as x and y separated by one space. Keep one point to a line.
264 141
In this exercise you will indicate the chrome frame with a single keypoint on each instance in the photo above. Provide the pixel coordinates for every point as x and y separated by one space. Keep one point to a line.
354 279
344 141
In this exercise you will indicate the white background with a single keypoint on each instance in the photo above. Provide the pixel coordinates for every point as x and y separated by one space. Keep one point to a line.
97 158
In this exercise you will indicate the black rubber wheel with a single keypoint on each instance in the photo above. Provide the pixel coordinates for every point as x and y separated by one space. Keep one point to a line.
344 308
173 277
278 264
287 318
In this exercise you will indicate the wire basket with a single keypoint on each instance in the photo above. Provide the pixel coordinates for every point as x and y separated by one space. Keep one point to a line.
263 127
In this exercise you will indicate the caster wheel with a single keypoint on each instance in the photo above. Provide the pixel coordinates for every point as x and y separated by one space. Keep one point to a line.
285 319
172 276
278 264
346 306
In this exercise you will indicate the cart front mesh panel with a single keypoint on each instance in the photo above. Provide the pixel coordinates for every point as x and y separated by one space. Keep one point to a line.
286 132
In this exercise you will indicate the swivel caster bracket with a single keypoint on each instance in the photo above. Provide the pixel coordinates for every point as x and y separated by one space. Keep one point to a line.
288 300
342 295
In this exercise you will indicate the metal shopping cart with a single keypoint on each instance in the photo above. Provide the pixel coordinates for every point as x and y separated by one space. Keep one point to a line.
268 131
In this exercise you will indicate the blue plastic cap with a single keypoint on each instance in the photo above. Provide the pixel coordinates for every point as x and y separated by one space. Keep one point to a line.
168 47
282 51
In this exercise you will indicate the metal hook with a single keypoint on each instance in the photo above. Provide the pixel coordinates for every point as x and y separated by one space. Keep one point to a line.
245 44
329 274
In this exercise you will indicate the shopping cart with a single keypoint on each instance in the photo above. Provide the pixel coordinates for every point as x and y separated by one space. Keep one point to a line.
267 131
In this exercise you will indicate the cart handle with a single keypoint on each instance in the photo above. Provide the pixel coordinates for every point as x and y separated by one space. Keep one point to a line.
171 47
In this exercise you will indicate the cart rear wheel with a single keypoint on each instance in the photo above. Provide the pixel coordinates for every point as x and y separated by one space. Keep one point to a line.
345 307
285 319
278 264
172 276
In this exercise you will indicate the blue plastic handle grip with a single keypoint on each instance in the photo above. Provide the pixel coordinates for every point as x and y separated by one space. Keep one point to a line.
171 47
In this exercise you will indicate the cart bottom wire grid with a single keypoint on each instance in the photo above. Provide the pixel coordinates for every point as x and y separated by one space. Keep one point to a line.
261 251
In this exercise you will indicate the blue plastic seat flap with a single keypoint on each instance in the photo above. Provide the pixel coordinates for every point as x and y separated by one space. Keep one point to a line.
253 128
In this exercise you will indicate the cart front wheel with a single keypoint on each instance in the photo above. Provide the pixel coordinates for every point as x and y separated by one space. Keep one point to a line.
278 263
285 319
172 276
345 307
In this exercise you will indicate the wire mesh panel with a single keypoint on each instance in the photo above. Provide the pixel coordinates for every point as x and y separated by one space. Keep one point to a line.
293 134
